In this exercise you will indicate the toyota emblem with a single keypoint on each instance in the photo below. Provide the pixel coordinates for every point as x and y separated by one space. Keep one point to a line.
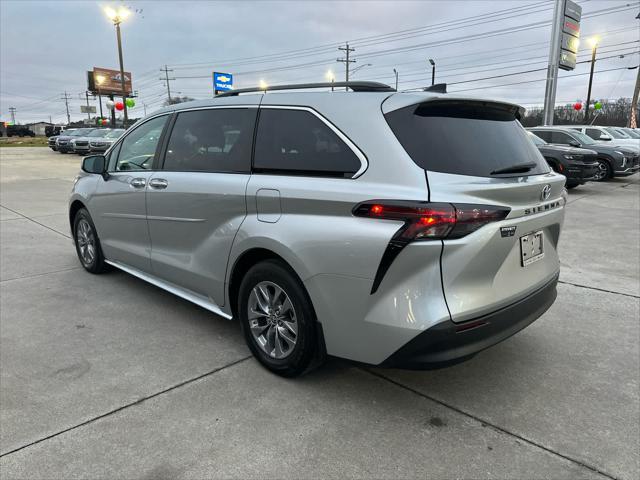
546 192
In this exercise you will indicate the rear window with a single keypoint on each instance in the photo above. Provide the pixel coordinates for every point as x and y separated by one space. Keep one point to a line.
465 138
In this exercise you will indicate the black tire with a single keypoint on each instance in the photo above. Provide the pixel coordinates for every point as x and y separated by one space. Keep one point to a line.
301 356
605 172
82 223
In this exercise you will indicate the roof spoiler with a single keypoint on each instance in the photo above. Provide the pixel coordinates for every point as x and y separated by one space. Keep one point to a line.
437 88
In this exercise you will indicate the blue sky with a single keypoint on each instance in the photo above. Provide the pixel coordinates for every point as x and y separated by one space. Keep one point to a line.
47 46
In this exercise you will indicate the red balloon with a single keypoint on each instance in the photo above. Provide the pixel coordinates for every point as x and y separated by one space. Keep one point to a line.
576 106
119 106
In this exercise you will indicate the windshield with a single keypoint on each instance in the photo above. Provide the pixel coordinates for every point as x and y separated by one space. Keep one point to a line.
536 139
582 138
615 133
466 138
632 133
80 132
115 133
99 133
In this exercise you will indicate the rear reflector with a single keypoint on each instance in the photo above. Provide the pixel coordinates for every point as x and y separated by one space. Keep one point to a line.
425 221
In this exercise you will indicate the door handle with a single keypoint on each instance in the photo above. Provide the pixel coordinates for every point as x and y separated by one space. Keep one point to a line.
158 183
138 183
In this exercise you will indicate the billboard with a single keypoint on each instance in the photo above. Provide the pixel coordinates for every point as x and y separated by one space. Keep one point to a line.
106 81
222 82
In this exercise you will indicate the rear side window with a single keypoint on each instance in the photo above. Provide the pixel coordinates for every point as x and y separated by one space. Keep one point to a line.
464 138
593 133
561 138
296 142
216 140
543 134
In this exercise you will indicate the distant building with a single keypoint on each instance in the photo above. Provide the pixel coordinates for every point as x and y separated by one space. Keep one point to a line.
39 127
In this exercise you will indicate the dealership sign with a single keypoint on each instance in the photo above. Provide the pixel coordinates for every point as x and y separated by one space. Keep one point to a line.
222 82
570 35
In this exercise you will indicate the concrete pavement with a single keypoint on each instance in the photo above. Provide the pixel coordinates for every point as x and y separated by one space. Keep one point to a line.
109 377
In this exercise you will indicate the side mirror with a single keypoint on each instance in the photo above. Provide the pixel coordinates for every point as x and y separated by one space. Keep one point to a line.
605 137
573 143
95 164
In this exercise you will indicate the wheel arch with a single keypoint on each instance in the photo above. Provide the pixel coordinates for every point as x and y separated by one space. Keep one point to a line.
75 206
241 266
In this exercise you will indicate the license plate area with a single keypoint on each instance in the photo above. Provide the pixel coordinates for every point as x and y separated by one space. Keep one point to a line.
531 248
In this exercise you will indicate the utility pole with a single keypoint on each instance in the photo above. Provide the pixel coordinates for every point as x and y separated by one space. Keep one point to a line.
86 94
13 114
554 58
593 62
396 74
167 80
633 118
66 99
346 60
144 105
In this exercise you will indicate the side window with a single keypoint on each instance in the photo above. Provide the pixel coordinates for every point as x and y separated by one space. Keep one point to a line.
299 143
593 133
113 156
543 134
215 140
138 149
560 137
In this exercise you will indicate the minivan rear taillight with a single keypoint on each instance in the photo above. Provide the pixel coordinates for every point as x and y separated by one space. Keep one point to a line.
425 221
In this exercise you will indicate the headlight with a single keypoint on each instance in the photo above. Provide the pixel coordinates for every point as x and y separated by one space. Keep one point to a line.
573 157
618 152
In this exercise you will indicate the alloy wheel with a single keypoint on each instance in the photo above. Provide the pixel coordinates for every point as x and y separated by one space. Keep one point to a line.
602 171
272 319
86 242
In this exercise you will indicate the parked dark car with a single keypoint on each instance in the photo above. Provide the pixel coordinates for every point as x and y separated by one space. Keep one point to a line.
63 142
577 164
99 145
613 161
19 131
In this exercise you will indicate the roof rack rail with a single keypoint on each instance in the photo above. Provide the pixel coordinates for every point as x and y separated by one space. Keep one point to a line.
438 88
355 86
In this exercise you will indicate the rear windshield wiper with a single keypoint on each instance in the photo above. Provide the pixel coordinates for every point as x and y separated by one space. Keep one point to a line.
519 168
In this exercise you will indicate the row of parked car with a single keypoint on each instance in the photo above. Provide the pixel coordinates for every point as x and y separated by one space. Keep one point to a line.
589 153
84 141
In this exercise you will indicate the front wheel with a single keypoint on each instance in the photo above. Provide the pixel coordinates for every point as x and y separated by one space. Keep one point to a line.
604 171
87 243
277 318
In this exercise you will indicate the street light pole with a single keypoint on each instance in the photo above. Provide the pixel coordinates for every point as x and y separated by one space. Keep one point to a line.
433 71
593 62
396 74
124 93
117 17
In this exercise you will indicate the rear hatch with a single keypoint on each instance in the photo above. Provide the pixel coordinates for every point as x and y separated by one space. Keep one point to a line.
477 156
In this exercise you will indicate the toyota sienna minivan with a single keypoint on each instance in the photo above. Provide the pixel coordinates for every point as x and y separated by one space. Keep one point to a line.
397 229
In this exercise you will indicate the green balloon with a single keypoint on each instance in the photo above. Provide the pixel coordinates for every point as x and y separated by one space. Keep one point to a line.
130 102
597 106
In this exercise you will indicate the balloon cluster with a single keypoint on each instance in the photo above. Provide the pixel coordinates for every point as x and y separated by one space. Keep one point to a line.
597 105
102 121
130 103
577 106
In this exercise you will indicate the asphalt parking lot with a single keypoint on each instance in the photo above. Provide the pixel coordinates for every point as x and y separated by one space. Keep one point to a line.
109 377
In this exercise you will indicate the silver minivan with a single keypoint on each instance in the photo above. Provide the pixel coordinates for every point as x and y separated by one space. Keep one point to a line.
395 229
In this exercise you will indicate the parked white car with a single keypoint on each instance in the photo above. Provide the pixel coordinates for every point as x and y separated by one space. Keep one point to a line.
609 135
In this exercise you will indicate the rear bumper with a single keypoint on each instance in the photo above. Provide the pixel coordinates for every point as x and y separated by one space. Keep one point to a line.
447 343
